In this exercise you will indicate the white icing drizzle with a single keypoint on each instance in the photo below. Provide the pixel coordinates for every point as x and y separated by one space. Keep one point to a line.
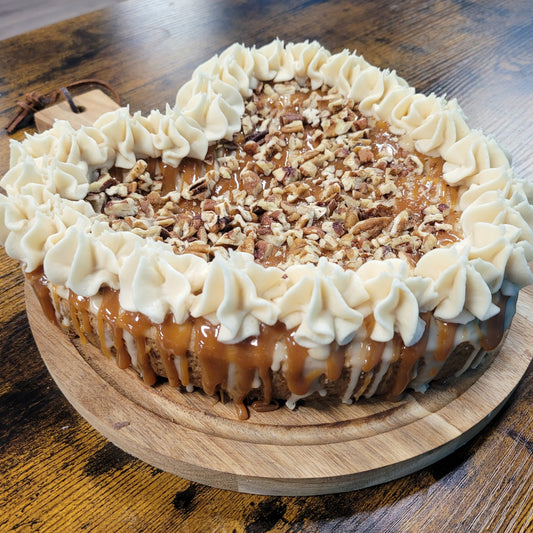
44 220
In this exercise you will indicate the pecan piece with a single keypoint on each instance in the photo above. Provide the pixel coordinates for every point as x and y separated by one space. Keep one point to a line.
362 123
293 127
263 250
102 183
120 208
372 227
313 230
97 200
256 136
198 189
251 182
136 172
287 118
400 222
286 175
366 155
338 228
208 204
248 245
308 169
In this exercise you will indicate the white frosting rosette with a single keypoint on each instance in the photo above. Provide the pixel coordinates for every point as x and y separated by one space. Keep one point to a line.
44 220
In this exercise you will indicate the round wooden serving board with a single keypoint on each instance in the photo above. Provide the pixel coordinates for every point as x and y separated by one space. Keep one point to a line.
316 449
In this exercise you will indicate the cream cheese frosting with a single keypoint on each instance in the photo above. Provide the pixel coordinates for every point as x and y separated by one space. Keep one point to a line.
44 220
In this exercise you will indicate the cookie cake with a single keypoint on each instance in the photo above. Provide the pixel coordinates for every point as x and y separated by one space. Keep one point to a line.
298 224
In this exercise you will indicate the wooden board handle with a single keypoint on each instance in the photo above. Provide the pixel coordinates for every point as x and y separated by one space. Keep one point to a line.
92 103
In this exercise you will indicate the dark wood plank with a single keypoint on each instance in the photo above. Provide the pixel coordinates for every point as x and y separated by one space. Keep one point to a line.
20 16
57 473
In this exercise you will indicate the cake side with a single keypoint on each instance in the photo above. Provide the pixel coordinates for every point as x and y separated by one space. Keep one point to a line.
271 367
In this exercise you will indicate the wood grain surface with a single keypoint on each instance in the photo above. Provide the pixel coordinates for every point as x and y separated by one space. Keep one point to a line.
56 472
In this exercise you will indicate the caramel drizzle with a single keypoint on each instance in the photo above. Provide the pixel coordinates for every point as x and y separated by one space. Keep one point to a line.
495 326
234 367
39 284
137 325
372 350
445 339
246 358
79 311
173 342
108 315
409 357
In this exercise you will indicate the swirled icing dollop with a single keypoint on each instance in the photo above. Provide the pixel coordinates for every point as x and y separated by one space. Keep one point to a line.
155 281
33 222
129 136
470 155
177 136
214 104
393 293
81 263
236 66
238 296
303 61
342 70
321 302
24 172
44 220
272 53
462 293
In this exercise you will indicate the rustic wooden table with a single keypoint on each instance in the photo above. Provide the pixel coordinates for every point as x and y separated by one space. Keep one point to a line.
56 472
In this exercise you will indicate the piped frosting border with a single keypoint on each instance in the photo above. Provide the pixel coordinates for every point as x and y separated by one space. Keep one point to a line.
44 220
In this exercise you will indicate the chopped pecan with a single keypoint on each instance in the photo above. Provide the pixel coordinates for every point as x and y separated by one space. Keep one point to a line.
265 167
120 208
287 118
314 230
295 143
263 250
293 127
366 155
120 189
371 226
198 189
400 222
332 205
361 123
138 169
251 147
308 169
429 242
97 200
225 173
251 182
286 175
208 204
328 243
352 218
198 248
339 228
248 244
256 136
102 183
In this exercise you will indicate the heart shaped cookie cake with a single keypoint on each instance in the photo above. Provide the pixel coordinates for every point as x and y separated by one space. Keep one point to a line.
299 223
